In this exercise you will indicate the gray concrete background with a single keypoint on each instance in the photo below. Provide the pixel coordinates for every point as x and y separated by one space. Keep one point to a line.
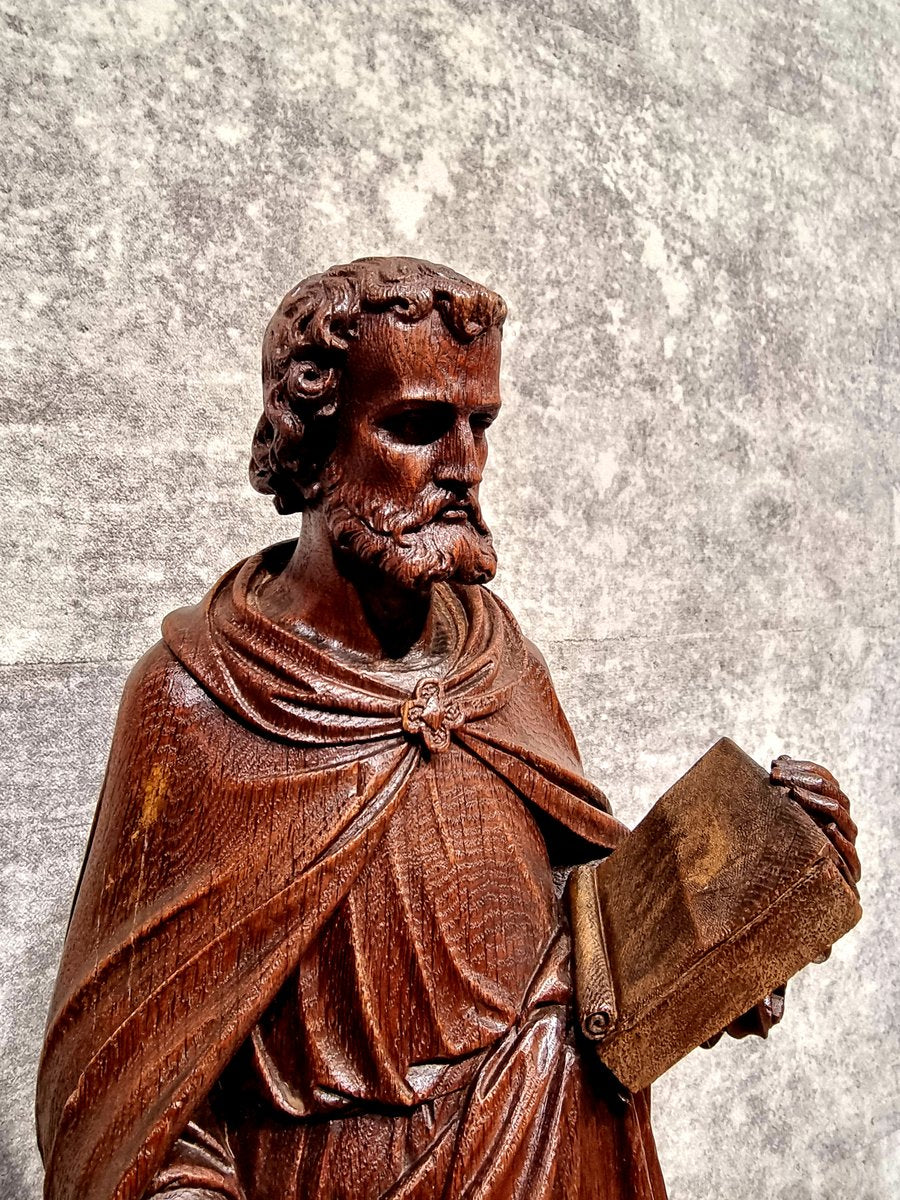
692 209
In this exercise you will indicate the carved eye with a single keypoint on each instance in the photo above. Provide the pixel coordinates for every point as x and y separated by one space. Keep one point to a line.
419 426
481 421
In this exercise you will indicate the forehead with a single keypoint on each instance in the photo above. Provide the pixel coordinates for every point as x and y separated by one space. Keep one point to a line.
391 357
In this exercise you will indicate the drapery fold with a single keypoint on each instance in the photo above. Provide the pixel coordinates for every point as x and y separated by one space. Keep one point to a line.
252 772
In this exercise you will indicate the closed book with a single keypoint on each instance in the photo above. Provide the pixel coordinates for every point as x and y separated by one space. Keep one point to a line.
725 890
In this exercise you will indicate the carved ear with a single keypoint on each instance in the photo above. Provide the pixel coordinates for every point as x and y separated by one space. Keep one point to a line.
310 378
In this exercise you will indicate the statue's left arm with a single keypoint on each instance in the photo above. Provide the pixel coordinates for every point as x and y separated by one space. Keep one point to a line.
819 794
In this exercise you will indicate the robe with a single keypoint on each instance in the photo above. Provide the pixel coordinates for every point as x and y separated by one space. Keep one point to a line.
316 948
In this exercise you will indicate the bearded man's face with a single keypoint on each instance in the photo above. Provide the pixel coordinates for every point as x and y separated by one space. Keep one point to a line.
401 487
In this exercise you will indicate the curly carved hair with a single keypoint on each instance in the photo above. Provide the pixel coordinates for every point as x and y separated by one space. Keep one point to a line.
305 347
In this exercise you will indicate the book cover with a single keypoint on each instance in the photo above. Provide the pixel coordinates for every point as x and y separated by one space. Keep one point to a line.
725 890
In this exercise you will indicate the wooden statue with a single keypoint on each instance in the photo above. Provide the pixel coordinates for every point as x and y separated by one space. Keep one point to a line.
320 946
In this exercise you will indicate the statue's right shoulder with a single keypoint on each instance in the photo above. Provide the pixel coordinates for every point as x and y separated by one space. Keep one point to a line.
160 690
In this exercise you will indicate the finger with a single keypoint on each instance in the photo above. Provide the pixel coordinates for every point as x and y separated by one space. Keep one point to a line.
789 770
795 772
828 809
812 783
846 850
847 875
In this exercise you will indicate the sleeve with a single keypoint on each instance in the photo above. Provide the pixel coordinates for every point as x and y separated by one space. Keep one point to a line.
200 1161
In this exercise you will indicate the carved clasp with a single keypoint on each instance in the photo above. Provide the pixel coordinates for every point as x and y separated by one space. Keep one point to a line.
430 715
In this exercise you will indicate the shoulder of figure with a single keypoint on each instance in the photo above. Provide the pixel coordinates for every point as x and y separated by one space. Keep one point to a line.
536 660
159 684
537 657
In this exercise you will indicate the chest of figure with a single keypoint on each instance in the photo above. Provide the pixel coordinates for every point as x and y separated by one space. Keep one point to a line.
430 956
463 875
458 896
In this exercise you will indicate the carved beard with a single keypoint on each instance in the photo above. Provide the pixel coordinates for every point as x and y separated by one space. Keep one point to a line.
408 544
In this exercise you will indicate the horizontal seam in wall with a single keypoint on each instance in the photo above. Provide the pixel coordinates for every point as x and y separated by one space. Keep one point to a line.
691 635
69 662
707 635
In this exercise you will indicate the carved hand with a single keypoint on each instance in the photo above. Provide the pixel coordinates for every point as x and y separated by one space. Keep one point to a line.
818 793
756 1022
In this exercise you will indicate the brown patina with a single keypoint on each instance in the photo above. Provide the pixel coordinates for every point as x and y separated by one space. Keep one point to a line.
318 947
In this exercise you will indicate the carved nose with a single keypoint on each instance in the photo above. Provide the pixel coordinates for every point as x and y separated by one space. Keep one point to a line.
467 472
460 461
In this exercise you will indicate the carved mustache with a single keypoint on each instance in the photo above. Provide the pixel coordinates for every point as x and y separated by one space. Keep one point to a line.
432 510
390 520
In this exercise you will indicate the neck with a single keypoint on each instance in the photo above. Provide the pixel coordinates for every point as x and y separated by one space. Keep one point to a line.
346 602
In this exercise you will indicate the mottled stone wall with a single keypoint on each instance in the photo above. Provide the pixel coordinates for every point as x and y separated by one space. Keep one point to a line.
692 210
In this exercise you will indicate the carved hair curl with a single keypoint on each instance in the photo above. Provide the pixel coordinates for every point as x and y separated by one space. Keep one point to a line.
305 348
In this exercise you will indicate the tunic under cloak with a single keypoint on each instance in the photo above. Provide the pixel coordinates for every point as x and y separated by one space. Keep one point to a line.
316 948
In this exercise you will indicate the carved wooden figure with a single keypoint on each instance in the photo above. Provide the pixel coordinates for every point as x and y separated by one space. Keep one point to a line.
320 946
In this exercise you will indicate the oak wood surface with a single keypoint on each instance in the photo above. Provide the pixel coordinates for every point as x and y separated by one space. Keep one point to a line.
318 947
721 894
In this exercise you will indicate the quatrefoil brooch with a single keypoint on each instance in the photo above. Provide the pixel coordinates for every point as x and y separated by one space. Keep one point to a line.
430 715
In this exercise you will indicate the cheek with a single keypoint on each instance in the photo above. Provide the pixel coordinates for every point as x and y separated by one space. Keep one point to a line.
403 469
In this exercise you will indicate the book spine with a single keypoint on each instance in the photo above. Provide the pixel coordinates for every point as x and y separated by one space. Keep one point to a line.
595 997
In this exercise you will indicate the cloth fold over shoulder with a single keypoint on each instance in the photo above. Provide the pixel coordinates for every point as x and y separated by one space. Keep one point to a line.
294 687
251 774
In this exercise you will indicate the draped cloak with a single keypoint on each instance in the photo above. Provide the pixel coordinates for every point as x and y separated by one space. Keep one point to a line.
255 776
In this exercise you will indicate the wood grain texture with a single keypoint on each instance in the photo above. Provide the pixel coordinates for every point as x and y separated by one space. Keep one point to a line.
318 946
724 891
